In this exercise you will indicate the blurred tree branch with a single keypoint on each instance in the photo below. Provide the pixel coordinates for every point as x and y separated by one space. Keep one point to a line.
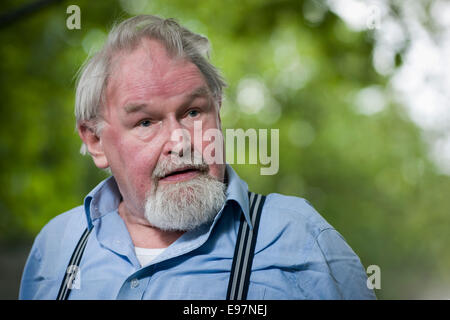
14 16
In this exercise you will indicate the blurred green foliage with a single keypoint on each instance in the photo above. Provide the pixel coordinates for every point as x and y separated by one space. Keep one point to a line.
368 175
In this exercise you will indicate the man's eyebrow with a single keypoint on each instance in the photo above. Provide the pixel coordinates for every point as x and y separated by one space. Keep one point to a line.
131 108
200 92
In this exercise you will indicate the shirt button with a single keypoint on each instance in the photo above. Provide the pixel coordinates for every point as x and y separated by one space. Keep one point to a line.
134 283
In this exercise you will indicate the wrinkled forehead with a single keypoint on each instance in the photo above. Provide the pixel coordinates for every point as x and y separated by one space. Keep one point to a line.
150 68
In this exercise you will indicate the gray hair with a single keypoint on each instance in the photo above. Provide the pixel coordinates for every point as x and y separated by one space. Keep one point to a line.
178 41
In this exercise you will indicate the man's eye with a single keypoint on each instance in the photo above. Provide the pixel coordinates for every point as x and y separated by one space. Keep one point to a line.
145 123
193 113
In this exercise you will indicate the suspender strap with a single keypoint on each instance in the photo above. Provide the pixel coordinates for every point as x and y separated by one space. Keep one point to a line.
72 268
244 250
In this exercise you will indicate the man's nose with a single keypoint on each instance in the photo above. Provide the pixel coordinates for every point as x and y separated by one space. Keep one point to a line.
178 140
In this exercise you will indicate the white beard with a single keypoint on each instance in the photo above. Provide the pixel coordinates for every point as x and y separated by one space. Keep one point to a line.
185 205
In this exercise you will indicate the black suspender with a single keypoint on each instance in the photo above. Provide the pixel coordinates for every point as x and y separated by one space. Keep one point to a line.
244 250
72 268
240 268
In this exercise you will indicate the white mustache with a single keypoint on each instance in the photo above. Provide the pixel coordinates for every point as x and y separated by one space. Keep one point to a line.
172 164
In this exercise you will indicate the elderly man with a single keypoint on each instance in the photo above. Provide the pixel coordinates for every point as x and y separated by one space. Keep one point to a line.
162 227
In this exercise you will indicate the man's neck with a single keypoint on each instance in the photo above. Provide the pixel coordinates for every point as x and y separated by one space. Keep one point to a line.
145 235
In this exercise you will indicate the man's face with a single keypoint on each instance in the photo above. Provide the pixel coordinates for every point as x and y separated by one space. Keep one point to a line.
150 95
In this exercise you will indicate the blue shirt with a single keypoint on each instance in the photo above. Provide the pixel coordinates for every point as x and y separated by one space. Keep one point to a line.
298 255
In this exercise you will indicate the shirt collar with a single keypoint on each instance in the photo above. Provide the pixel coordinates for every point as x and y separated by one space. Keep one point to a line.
237 190
105 197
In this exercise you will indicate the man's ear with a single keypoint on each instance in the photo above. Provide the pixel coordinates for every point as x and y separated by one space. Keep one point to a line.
93 142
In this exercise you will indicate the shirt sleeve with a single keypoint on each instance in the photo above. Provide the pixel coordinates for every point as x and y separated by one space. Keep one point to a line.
30 276
344 266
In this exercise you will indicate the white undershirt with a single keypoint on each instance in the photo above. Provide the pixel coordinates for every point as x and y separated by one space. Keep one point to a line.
145 255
